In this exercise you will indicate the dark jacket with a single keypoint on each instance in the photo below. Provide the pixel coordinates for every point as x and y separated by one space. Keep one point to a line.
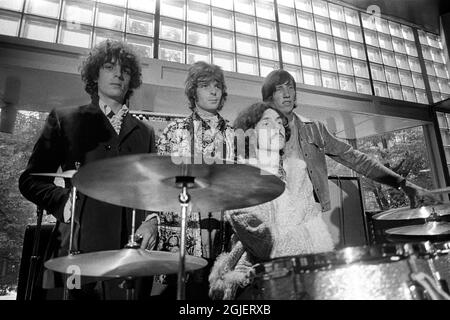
316 142
83 134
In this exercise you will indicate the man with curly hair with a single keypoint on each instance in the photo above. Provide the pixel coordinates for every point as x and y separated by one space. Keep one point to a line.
102 129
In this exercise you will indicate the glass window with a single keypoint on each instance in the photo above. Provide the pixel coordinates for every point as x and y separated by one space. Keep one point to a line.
342 47
244 6
368 21
288 34
437 97
407 33
422 37
395 29
140 23
336 12
402 61
225 60
247 65
286 3
267 29
198 35
245 24
374 54
354 33
78 11
421 96
286 15
304 5
344 65
411 48
395 92
173 8
444 86
171 51
405 78
311 77
75 35
380 89
171 30
309 58
307 39
430 68
433 83
324 43
434 41
102 35
267 67
110 17
222 19
145 6
322 25
347 83
357 50
418 80
360 68
222 4
388 58
9 23
46 8
295 71
246 45
363 86
320 7
198 54
265 9
409 94
330 80
351 16
413 64
120 3
290 54
426 51
223 40
198 13
16 5
437 55
441 70
39 29
327 62
382 25
339 29
371 38
268 49
142 46
377 72
392 75
385 41
305 20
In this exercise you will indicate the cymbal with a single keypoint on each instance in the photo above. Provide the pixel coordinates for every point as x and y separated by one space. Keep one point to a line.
428 229
147 182
407 213
124 263
65 174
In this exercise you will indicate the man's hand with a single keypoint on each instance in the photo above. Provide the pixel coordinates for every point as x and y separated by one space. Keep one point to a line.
148 232
418 196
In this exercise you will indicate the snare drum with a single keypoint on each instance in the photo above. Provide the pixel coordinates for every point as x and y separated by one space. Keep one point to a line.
356 273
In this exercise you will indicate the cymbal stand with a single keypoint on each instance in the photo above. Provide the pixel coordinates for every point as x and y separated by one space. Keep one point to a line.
184 199
132 244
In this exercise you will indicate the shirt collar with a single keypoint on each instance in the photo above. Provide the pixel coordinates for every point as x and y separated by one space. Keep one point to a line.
102 105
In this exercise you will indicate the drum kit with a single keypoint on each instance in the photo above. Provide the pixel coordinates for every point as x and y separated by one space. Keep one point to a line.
398 270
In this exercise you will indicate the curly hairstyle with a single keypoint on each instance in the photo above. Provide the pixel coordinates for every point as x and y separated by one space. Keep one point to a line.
272 80
109 51
201 71
249 118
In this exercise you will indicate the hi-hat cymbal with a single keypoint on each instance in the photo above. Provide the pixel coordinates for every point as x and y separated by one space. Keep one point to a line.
65 174
428 229
124 263
147 182
416 213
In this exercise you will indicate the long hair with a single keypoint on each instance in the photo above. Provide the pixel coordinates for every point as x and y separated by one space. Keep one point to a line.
247 121
272 80
201 71
108 51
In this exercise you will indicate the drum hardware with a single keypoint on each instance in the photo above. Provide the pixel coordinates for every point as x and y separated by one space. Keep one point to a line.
428 229
406 213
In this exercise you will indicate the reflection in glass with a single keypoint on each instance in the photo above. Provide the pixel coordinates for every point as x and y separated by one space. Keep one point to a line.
39 29
392 75
382 25
413 64
441 70
395 29
198 54
374 54
380 89
344 65
418 80
430 68
351 16
409 94
411 48
360 68
395 92
433 83
171 52
371 38
75 35
143 46
377 72
111 18
407 33
421 96
140 23
444 85
171 30
347 83
402 61
385 41
336 12
405 78
388 58
363 86
330 80
198 35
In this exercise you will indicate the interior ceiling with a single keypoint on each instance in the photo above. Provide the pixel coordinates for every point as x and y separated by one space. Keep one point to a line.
38 90
424 13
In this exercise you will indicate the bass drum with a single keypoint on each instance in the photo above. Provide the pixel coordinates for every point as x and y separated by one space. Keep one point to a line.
355 273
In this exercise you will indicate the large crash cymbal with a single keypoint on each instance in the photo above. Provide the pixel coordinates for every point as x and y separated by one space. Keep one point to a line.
65 174
124 263
147 182
416 213
423 230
